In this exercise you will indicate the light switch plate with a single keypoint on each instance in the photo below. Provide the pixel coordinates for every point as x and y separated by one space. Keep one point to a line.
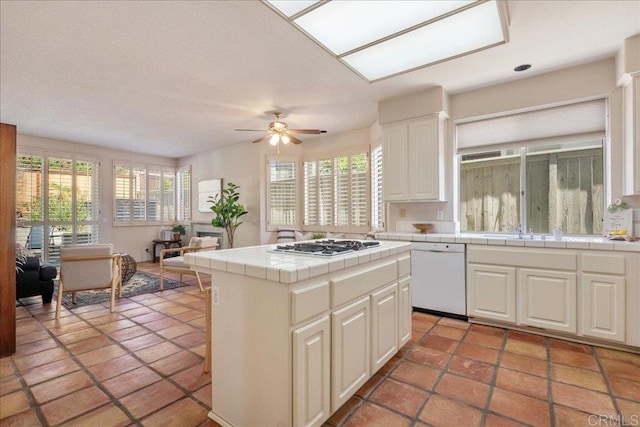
440 215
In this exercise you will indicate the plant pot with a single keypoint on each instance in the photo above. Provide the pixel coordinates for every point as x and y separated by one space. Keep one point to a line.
176 236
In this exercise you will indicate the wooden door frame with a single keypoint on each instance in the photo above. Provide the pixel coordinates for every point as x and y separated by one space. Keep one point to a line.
8 240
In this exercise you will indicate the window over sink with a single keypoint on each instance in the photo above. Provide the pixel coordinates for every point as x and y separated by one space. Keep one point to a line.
534 169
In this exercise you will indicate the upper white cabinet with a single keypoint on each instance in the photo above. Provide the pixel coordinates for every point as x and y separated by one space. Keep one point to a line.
413 160
631 93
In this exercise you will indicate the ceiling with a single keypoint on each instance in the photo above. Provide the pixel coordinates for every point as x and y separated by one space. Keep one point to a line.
176 78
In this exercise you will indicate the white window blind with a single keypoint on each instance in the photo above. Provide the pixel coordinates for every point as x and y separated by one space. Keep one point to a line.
580 121
145 193
57 202
168 188
336 191
359 206
310 193
154 177
282 191
183 194
377 205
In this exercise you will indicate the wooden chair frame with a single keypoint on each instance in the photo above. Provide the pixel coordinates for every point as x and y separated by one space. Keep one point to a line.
180 271
116 279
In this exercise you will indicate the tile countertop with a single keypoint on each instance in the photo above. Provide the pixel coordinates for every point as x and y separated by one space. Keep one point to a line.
260 262
567 242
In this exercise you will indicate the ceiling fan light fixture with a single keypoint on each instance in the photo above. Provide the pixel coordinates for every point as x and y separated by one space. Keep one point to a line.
285 139
274 139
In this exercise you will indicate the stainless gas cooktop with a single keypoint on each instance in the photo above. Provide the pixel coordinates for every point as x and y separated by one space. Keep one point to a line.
326 248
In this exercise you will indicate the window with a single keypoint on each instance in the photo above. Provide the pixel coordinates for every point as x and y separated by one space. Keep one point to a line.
145 193
57 202
542 169
183 194
281 192
336 191
377 205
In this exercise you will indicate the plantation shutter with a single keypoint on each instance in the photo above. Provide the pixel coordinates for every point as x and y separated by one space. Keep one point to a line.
29 187
341 168
336 191
310 193
122 192
168 189
377 206
567 123
282 192
183 193
139 193
359 190
325 192
154 180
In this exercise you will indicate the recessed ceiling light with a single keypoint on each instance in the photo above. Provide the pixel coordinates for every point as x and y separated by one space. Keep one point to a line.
522 67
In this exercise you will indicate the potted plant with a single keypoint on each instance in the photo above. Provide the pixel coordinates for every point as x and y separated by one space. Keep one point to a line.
227 210
178 231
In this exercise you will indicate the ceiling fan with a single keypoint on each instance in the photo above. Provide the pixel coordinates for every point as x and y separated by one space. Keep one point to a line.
279 132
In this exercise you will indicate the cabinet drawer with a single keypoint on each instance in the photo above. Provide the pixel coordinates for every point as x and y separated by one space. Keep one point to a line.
308 302
603 263
351 286
404 266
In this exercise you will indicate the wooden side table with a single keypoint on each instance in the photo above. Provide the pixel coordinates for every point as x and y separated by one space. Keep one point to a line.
167 244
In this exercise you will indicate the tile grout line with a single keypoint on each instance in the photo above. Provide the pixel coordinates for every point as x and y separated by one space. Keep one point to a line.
86 371
494 379
605 375
116 401
552 415
443 371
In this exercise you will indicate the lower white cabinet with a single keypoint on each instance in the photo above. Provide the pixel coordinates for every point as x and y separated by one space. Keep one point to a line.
311 373
384 326
491 292
350 350
603 314
547 299
406 307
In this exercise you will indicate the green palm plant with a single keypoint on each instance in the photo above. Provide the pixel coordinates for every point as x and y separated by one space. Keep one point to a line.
228 211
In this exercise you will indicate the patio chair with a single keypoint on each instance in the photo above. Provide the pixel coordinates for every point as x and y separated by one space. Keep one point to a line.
88 267
176 264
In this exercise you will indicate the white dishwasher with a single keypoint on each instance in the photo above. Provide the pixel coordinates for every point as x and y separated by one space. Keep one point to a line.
439 278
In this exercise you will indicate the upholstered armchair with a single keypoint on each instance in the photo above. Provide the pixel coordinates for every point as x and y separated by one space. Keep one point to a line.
176 264
34 278
88 267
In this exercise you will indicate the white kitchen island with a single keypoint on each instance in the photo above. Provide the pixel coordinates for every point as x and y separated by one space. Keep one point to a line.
295 336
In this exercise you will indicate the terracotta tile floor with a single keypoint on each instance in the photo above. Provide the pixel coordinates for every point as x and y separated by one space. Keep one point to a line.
142 365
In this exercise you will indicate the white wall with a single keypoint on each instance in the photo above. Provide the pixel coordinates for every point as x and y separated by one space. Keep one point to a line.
132 240
244 165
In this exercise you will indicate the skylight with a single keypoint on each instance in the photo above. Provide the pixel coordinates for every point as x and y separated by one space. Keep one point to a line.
379 39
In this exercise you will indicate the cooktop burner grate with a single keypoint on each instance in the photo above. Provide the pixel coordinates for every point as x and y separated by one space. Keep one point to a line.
327 247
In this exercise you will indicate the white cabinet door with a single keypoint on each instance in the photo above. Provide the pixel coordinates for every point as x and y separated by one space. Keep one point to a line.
405 310
547 299
491 292
311 373
395 163
413 160
350 351
603 306
425 151
384 326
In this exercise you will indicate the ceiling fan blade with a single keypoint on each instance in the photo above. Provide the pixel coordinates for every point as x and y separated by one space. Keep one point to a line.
308 131
250 130
294 140
264 138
